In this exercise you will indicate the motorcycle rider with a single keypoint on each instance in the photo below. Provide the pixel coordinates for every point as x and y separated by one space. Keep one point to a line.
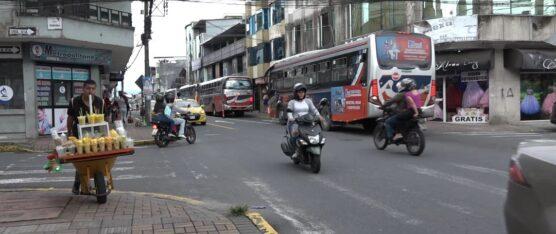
158 111
406 106
299 106
169 111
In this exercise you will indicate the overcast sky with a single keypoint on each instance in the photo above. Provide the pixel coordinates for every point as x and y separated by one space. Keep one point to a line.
168 38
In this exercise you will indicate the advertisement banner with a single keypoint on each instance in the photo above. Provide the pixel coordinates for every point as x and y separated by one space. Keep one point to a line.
80 74
61 73
348 103
402 50
449 29
43 72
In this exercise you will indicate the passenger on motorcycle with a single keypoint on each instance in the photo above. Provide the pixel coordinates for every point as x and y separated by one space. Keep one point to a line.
158 111
170 111
407 103
299 106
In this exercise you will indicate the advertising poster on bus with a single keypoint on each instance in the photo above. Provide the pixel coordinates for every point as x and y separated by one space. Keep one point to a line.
403 51
348 103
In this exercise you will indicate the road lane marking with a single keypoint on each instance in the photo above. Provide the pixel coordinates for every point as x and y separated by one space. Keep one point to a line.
222 121
220 126
404 218
457 180
253 121
482 169
288 213
459 209
68 179
123 162
29 172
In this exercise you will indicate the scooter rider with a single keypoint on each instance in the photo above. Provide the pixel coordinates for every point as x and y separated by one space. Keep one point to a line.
405 107
170 111
299 106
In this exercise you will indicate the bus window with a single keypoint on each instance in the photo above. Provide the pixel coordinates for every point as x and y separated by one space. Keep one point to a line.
238 84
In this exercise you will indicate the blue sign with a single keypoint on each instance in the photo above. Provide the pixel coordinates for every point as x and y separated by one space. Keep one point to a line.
43 73
61 73
80 74
69 54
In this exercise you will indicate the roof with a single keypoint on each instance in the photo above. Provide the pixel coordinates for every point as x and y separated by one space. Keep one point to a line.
235 31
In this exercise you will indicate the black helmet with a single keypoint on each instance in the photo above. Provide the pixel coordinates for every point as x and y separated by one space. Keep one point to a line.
159 97
406 85
298 87
170 97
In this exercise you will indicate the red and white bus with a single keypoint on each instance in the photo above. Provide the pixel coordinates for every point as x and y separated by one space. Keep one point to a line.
226 95
355 78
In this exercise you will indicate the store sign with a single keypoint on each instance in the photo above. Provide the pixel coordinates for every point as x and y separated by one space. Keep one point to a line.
6 93
69 54
10 51
449 29
470 76
470 115
54 23
464 61
147 85
526 59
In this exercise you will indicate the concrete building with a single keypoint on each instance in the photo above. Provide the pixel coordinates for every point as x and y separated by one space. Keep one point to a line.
47 50
169 73
224 54
494 59
197 33
265 41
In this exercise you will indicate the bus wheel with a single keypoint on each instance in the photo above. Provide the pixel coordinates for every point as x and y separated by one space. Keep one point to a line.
327 125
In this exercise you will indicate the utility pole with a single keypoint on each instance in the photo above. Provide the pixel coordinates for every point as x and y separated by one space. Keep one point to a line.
145 37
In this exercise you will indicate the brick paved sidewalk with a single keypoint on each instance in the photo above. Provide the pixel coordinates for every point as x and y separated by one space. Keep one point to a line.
61 212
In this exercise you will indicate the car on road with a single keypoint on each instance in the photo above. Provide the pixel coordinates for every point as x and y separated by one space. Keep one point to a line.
530 205
197 112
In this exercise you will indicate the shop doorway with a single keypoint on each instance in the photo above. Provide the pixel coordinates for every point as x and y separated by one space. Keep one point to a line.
537 96
464 97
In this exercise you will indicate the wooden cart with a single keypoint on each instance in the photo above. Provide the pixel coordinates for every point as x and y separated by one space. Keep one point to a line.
96 166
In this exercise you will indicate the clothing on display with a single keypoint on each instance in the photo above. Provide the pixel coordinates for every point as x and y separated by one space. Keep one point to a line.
472 95
548 103
483 103
530 105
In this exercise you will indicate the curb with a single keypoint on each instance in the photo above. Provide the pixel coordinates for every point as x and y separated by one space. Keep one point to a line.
260 223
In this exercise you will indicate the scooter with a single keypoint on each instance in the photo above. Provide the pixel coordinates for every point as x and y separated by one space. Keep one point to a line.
412 135
163 133
309 143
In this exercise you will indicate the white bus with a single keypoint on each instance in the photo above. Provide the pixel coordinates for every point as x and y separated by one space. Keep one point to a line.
355 78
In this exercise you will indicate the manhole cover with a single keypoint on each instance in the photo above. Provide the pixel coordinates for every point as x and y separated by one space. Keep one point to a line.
30 206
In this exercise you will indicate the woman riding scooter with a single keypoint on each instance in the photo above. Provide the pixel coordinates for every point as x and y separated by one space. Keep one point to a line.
169 112
299 106
407 103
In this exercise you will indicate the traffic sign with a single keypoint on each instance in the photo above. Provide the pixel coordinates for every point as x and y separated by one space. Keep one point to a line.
10 49
139 82
22 31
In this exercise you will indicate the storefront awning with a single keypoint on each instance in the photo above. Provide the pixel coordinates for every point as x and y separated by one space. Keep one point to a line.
473 60
530 59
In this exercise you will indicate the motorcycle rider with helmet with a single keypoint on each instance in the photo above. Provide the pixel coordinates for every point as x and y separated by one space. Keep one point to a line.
299 106
405 108
169 111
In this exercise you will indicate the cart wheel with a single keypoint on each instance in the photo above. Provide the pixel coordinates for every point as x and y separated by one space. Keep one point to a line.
100 186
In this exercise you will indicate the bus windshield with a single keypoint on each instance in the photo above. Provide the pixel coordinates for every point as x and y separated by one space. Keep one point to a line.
404 51
238 84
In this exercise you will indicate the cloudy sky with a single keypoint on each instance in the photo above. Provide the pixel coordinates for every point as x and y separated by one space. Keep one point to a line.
168 37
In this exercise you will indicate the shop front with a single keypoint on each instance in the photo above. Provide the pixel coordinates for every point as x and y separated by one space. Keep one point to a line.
462 80
537 69
59 73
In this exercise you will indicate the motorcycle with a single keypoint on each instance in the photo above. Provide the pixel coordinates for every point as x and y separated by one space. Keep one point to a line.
309 143
412 135
163 133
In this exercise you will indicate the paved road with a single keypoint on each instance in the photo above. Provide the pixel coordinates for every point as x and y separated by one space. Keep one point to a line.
457 186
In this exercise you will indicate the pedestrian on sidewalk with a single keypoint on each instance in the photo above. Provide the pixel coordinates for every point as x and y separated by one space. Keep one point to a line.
79 105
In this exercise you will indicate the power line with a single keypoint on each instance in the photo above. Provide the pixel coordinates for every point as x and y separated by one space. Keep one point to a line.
136 56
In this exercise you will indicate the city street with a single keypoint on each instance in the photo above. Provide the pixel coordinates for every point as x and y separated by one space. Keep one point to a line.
458 185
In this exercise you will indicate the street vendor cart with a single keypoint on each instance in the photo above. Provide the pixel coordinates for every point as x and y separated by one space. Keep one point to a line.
93 155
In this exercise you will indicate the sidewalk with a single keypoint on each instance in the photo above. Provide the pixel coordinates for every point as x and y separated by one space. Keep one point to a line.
522 127
60 212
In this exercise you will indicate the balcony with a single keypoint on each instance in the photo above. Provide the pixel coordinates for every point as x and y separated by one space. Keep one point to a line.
231 50
82 11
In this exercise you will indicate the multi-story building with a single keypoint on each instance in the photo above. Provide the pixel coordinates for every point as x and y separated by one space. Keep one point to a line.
196 34
493 58
265 41
224 54
168 73
48 49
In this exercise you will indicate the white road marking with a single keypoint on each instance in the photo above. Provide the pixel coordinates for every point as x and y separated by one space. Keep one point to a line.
457 208
212 134
289 213
9 166
457 180
252 121
222 121
68 179
29 172
198 175
404 218
124 162
482 169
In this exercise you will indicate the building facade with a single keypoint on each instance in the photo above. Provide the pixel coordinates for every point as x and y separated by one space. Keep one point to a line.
196 34
169 73
494 59
47 50
265 41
